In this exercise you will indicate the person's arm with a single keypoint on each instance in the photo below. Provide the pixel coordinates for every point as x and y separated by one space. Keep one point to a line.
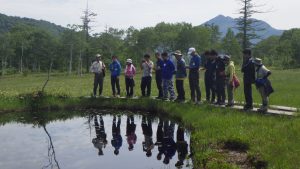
267 75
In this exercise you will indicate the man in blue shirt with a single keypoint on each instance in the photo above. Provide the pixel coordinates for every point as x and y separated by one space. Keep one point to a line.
115 69
194 76
168 70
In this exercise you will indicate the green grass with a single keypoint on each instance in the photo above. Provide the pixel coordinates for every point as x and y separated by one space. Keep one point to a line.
285 82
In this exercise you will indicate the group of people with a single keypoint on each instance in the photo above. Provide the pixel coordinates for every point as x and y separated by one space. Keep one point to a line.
165 140
220 76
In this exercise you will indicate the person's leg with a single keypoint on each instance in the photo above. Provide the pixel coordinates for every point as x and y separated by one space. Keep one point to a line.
165 89
230 94
118 85
213 91
264 98
248 95
177 89
198 87
222 91
207 88
143 86
131 87
149 81
113 83
101 84
171 90
95 85
159 85
192 87
181 90
127 84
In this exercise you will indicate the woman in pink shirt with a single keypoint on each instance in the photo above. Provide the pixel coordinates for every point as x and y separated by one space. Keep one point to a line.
129 77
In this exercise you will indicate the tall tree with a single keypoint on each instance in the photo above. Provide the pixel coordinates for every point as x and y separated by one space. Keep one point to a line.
230 45
246 24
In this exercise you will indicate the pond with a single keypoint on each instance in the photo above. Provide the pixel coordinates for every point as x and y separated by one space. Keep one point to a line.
97 140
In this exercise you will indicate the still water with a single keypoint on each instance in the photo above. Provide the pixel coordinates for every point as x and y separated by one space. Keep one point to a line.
124 141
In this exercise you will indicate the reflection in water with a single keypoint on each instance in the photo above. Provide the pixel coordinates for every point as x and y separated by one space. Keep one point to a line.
130 132
100 140
116 141
72 151
147 131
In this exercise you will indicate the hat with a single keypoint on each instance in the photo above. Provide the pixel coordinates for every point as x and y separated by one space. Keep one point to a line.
177 53
98 55
227 57
191 50
257 61
128 61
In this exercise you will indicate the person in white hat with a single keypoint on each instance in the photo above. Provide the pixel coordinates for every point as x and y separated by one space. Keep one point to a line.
98 68
194 75
129 77
263 84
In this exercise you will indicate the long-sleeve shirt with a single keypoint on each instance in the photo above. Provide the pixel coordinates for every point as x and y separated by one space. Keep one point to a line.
195 62
147 68
230 71
168 69
248 69
181 70
97 67
115 68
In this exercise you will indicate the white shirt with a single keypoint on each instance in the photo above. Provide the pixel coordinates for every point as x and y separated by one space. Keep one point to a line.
147 68
97 67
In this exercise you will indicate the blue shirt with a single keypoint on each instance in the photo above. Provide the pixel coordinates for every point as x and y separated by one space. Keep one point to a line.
181 70
167 69
195 62
115 68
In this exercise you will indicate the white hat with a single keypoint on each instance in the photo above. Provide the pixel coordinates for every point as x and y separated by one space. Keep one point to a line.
98 55
257 61
191 50
129 61
227 57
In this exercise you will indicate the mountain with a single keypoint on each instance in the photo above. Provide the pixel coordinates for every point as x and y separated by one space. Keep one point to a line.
8 22
225 22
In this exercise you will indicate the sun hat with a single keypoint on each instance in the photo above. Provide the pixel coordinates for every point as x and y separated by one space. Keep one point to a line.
257 61
128 61
227 57
191 50
98 55
177 53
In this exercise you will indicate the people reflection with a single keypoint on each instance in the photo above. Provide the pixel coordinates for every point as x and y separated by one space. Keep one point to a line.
116 141
169 144
100 140
159 139
182 146
130 132
148 144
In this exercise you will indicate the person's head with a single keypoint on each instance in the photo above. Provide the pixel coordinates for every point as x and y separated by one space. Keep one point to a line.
226 59
114 57
192 51
178 54
158 157
147 57
130 147
129 61
207 54
165 55
247 53
157 55
148 153
98 57
257 62
116 152
213 54
100 152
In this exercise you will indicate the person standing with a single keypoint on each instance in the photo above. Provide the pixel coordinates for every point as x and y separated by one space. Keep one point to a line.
220 81
129 77
248 70
115 69
98 68
168 70
146 66
210 75
194 75
229 73
263 84
158 78
180 76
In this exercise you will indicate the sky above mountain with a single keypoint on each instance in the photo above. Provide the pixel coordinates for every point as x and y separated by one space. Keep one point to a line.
143 13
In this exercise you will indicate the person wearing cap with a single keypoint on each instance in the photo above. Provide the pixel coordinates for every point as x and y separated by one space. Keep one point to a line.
180 76
115 70
168 70
248 70
263 84
158 78
194 75
147 67
210 75
98 68
220 80
129 77
229 73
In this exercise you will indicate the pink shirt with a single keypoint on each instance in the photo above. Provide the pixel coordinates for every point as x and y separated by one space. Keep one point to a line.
130 71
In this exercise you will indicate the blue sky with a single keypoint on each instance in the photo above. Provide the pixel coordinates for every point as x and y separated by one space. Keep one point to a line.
143 13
